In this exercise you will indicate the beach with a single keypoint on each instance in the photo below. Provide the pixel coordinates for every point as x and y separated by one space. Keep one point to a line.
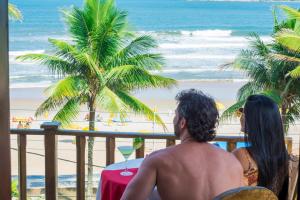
24 102
195 38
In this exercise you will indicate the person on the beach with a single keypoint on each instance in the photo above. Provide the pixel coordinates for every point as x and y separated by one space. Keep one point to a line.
194 169
20 125
265 160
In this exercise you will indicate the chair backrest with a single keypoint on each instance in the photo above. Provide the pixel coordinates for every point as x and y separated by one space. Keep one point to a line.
247 193
293 177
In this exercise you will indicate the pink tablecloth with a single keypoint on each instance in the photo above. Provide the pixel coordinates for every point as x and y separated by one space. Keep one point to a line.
113 184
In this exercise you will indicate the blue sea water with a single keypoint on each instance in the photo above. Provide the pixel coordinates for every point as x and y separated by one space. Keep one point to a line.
196 37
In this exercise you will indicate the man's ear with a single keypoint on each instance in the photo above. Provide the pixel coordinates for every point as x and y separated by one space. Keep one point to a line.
182 123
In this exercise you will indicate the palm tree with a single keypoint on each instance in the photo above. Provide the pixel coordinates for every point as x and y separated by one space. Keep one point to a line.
14 13
100 67
268 76
289 37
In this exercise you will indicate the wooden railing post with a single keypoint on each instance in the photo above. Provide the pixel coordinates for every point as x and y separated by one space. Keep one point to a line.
170 142
50 129
80 155
231 146
5 161
110 150
22 166
289 144
140 152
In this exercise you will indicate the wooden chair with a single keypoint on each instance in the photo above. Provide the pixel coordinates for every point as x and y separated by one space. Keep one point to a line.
293 177
247 193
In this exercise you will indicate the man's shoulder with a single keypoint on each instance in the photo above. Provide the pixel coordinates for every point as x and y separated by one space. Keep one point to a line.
160 156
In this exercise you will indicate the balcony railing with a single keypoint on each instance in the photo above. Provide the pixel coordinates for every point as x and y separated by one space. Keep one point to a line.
51 130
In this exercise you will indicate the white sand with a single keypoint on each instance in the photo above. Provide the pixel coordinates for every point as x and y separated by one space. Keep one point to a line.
25 101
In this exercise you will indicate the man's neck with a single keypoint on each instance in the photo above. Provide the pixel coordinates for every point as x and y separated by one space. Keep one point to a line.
186 137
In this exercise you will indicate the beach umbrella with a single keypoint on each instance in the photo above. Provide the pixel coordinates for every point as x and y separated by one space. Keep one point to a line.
220 106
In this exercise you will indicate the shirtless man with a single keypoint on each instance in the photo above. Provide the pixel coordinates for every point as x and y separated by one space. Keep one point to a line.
194 169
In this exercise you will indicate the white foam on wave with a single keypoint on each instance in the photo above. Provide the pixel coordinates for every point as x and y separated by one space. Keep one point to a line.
31 75
35 38
202 33
209 33
201 56
197 46
191 70
41 84
19 53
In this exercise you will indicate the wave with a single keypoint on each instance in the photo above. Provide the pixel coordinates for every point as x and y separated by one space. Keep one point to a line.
208 56
232 0
39 38
203 33
31 76
191 70
41 84
235 80
210 33
19 53
197 46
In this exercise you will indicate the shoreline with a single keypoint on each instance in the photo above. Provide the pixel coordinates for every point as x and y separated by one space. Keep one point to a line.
163 100
221 90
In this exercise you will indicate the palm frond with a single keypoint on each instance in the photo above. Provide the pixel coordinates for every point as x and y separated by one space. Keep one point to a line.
64 49
284 58
108 100
14 13
273 94
90 63
132 77
54 63
291 12
231 111
248 89
258 45
295 73
255 67
49 104
68 87
68 112
80 25
136 52
289 39
140 108
107 36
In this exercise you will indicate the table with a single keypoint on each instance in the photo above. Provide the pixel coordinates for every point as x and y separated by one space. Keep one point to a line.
120 185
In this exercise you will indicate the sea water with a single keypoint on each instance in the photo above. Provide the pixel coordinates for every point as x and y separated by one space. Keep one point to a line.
195 37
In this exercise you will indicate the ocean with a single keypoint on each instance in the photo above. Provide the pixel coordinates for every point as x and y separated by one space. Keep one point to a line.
195 37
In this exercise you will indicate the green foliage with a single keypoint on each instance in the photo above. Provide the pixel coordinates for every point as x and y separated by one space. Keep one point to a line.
289 37
104 62
14 189
101 66
138 142
14 13
271 69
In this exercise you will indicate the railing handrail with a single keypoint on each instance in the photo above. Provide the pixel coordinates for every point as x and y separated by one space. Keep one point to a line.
113 134
50 131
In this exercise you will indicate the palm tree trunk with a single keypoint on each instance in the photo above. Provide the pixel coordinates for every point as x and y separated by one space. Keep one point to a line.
91 141
283 116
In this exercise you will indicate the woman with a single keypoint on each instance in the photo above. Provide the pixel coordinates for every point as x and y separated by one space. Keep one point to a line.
265 160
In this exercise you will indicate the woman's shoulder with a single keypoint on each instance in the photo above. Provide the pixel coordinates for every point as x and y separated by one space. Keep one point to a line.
244 157
240 153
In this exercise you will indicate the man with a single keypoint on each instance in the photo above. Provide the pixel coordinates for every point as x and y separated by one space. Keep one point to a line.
193 169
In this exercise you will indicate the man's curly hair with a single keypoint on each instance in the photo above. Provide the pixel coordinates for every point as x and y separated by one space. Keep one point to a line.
200 112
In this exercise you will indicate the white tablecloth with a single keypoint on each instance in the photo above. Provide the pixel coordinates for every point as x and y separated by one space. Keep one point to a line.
136 163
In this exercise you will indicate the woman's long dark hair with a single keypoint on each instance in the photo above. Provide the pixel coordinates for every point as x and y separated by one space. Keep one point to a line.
265 136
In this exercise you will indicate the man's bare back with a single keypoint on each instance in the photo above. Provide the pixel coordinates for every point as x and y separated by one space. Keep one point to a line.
190 171
193 169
